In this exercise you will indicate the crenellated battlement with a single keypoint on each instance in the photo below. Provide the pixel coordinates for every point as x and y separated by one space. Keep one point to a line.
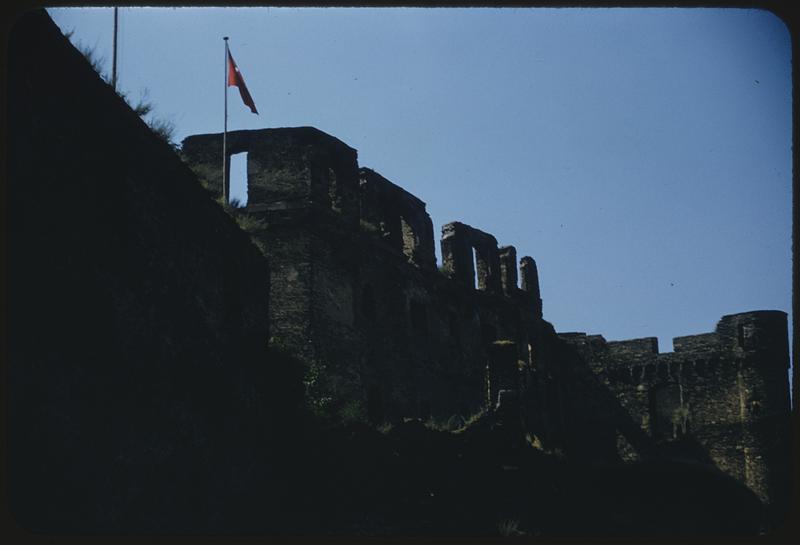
742 336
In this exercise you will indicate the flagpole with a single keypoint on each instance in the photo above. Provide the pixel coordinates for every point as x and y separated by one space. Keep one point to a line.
225 132
114 54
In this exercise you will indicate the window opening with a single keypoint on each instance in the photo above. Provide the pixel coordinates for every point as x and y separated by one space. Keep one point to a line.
238 179
474 268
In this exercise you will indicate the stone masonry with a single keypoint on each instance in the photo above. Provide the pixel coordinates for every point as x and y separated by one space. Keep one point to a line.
726 392
356 293
355 288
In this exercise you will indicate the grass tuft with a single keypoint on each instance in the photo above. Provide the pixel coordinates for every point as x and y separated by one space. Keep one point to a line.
509 528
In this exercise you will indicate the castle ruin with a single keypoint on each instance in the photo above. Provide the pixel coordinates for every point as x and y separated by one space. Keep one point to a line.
144 398
355 293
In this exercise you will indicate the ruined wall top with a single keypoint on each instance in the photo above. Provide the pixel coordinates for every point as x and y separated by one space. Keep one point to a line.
300 168
286 168
760 332
245 140
398 216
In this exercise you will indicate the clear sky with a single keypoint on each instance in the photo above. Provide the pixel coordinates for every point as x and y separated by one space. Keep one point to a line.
641 156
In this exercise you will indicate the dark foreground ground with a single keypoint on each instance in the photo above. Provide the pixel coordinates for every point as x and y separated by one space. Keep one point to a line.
484 481
312 479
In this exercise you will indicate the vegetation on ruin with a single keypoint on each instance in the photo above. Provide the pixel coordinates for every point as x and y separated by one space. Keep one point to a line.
509 528
353 411
385 428
143 106
368 226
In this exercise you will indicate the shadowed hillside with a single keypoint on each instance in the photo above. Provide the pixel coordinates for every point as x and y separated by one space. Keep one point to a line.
139 387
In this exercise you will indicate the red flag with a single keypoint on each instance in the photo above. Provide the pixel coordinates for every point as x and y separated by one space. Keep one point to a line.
235 78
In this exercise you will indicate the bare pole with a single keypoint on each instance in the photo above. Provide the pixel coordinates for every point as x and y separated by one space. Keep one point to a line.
114 54
225 132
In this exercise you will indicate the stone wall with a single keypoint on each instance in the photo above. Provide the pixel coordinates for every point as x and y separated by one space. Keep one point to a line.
356 292
395 335
725 394
139 393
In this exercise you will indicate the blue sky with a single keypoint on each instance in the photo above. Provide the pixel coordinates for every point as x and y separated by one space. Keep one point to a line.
641 156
